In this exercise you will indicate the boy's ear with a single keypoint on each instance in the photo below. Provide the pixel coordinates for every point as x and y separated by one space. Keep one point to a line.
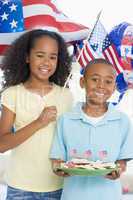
82 82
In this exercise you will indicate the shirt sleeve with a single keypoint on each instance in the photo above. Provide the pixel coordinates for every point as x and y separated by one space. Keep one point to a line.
126 151
58 150
8 98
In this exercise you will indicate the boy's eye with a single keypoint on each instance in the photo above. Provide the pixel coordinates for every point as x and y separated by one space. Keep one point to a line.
95 79
109 81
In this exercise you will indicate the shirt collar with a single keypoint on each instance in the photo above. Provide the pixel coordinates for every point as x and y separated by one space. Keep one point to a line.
78 114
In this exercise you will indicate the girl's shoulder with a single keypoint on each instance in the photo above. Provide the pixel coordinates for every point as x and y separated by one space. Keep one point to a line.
11 89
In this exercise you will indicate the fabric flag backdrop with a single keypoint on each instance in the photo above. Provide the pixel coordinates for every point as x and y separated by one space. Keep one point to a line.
99 46
17 16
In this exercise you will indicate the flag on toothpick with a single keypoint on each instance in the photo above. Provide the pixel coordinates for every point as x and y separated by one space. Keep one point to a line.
99 45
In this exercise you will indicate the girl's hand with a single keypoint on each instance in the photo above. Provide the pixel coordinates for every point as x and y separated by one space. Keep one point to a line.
49 114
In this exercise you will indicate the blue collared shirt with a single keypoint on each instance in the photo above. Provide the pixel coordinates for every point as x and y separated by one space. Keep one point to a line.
76 134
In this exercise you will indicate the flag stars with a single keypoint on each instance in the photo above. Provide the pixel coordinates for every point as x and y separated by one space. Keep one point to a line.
13 24
13 7
5 2
4 16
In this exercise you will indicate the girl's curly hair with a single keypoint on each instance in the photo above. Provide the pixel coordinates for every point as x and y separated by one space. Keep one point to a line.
14 66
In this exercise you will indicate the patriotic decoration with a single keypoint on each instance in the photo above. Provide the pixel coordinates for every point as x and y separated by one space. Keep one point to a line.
17 16
122 37
99 45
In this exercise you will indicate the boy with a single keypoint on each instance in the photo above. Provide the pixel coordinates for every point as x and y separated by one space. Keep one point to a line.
94 126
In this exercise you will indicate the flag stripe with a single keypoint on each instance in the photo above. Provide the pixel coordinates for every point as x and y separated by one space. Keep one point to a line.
85 56
109 58
33 21
42 2
90 51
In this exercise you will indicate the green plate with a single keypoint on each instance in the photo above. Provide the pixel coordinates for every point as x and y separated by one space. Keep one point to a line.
88 172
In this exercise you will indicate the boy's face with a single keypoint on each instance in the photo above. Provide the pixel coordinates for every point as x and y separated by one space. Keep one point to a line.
99 83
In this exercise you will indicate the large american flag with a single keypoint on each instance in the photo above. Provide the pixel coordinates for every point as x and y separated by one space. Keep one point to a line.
99 45
17 16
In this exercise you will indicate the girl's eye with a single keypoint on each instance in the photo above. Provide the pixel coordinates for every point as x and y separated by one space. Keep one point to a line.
39 55
53 57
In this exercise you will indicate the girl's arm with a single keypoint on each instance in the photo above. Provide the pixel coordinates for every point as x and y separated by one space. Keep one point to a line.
8 140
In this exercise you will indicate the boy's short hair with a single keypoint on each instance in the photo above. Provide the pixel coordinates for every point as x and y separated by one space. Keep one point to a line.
98 61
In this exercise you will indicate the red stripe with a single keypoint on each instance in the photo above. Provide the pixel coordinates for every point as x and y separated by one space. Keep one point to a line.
45 2
47 20
3 48
89 52
80 59
84 56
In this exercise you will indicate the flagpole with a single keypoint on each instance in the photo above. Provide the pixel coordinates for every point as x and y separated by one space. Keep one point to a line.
88 38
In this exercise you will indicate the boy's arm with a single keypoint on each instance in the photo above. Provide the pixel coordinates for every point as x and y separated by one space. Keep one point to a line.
122 168
56 165
58 149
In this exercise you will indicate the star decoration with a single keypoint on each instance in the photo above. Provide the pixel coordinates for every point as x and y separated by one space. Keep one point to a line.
4 16
13 24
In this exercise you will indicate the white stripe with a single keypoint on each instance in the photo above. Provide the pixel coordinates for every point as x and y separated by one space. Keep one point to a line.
41 9
115 58
8 38
1 58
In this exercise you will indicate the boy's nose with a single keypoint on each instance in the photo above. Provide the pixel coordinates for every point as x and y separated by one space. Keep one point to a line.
101 84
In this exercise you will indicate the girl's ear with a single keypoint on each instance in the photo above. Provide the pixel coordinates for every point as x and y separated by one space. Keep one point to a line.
82 82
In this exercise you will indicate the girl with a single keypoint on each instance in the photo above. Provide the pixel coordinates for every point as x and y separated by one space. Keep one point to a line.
94 129
35 69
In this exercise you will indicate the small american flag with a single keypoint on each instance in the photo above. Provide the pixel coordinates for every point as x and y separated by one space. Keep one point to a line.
99 46
17 16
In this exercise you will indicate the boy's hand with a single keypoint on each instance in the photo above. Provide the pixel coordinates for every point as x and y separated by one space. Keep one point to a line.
113 175
121 168
56 164
61 173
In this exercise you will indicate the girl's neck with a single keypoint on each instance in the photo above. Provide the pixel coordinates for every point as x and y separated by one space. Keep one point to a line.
95 110
41 88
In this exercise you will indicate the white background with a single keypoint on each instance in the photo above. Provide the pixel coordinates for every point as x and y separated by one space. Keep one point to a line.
85 11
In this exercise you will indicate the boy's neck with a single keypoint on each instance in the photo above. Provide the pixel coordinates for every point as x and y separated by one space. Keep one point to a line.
95 110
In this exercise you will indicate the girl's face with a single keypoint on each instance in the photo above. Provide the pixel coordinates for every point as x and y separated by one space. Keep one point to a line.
99 83
43 58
